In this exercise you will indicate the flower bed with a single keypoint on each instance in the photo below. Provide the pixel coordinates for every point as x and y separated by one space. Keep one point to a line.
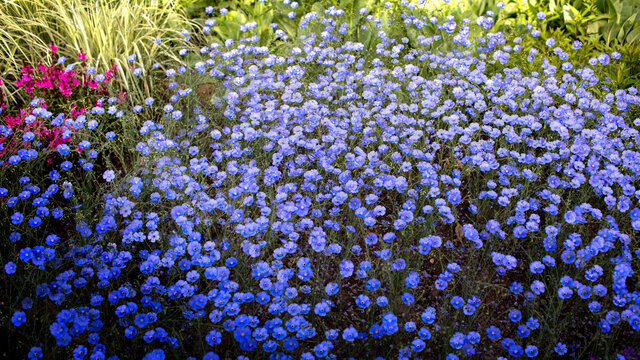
334 202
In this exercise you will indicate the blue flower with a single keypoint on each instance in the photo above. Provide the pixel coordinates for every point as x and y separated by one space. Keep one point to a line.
454 196
26 303
178 211
16 218
322 308
536 267
565 292
570 217
493 332
515 350
532 323
424 333
349 334
79 352
520 232
63 149
10 267
18 318
57 213
515 315
213 337
457 340
35 221
363 301
331 288
560 348
346 268
537 287
468 309
35 353
457 302
66 165
290 343
14 236
429 315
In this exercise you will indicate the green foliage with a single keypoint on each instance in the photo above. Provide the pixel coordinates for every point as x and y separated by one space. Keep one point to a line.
624 75
603 26
106 30
266 13
610 21
621 22
565 21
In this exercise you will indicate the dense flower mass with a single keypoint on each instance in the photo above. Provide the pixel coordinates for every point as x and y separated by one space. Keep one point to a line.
336 203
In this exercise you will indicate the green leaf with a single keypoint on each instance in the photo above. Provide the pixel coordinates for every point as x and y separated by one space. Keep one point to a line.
570 14
626 27
605 17
365 37
363 4
610 33
317 7
596 27
287 25
577 4
633 36
625 13
611 9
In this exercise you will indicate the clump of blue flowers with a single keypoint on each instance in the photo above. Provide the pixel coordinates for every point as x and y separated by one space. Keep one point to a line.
332 203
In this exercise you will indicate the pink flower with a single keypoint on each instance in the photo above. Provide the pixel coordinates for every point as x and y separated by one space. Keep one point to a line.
82 56
53 48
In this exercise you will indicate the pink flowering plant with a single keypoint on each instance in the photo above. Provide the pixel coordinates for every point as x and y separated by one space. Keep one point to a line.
65 91
70 86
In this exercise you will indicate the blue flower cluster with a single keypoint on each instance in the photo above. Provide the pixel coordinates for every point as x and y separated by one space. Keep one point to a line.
334 203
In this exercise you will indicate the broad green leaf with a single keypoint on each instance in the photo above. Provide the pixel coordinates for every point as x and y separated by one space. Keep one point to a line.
626 27
611 8
610 33
605 17
618 6
367 3
317 7
365 37
570 14
633 36
626 12
287 25
577 4
266 36
596 27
